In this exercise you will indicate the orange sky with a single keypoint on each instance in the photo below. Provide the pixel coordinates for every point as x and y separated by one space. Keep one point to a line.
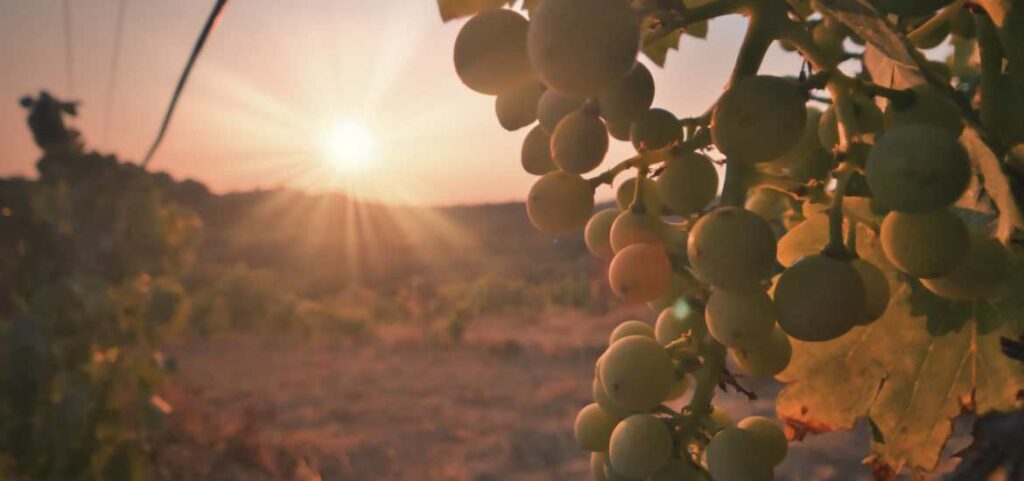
277 75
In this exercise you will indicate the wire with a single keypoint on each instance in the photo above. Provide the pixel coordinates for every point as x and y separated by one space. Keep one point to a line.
115 59
69 52
211 22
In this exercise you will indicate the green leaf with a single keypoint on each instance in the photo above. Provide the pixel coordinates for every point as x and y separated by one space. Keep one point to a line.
698 30
1009 306
943 315
910 383
657 44
452 9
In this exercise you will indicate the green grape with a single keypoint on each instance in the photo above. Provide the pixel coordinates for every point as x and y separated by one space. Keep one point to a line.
593 428
553 106
579 142
732 248
740 318
491 52
981 275
630 328
597 462
606 403
650 196
866 114
629 96
930 107
640 273
735 454
768 358
536 153
654 129
582 47
925 245
640 446
618 128
807 159
768 204
674 321
612 475
758 119
634 228
876 289
768 435
682 284
688 184
917 168
819 299
719 419
678 388
598 231
637 373
518 108
560 202
678 470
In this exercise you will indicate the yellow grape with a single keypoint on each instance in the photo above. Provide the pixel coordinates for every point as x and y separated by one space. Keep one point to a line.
866 114
682 284
612 475
518 108
490 52
678 470
688 184
654 129
630 328
917 169
560 202
808 159
553 106
641 445
720 419
734 454
629 96
634 228
740 318
929 108
593 428
758 119
582 47
536 153
925 245
768 358
579 142
597 233
800 240
768 204
732 248
819 299
650 196
768 435
829 40
876 289
981 274
618 128
597 462
674 321
636 373
640 273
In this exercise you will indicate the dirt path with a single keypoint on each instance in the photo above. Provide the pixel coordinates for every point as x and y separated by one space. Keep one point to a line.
498 406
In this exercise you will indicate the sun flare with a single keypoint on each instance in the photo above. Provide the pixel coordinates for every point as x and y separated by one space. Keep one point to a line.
349 147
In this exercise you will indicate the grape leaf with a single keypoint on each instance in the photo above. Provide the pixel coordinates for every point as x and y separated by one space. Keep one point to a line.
658 50
452 9
908 382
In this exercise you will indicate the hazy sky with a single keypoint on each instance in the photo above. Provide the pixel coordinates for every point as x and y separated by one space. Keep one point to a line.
277 75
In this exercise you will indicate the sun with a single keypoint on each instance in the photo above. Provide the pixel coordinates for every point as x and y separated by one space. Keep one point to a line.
349 147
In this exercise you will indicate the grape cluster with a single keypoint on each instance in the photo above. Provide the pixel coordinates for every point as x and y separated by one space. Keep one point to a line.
712 265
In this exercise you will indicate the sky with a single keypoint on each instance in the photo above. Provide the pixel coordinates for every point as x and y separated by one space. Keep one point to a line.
276 78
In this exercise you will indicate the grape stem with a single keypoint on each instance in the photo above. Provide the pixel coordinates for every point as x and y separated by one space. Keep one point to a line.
835 247
700 140
708 377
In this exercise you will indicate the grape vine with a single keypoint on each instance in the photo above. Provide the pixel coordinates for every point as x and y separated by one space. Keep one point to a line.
835 231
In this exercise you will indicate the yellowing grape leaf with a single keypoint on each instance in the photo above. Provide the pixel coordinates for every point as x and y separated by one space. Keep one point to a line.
907 382
452 9
657 43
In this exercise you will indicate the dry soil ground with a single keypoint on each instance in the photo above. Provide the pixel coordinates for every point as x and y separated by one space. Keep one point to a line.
497 406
